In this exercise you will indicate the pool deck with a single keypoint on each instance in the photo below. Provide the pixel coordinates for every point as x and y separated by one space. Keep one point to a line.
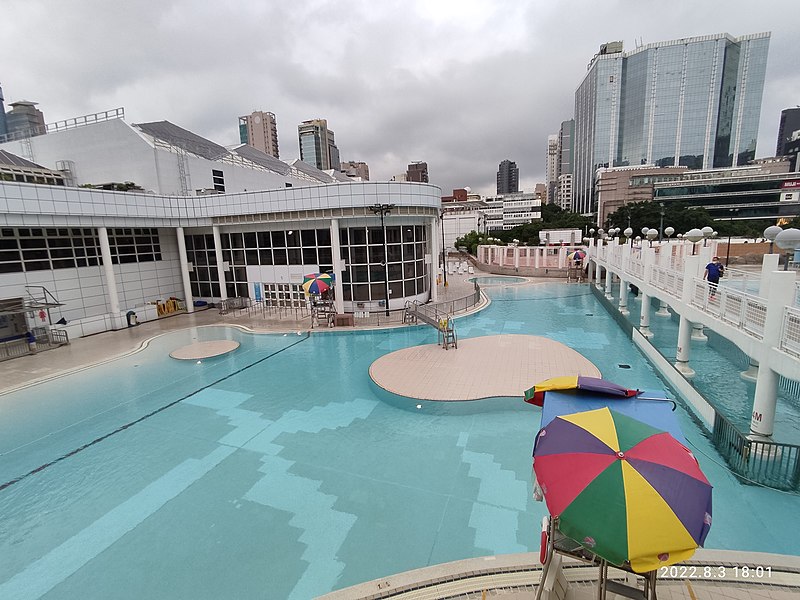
508 577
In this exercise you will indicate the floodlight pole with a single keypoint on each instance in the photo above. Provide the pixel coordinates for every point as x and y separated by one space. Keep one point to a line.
383 210
444 250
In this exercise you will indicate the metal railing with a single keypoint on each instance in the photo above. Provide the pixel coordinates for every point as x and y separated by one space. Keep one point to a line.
745 311
768 463
667 280
14 348
745 281
790 332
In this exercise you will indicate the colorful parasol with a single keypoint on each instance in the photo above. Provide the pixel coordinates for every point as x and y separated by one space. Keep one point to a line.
535 395
317 283
576 255
624 490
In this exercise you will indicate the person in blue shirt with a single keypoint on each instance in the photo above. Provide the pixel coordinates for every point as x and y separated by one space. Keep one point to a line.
714 270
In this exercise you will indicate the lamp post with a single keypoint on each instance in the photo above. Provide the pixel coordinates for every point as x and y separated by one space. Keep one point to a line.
771 233
669 231
383 210
444 251
628 233
651 235
789 240
694 236
707 233
661 222
730 233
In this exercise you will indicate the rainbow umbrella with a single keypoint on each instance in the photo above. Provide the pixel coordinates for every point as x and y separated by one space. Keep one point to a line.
317 283
626 491
576 255
535 395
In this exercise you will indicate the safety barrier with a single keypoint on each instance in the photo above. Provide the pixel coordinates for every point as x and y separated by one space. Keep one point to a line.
768 463
745 311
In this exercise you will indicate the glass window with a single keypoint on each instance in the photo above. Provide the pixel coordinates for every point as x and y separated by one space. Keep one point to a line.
324 236
250 240
358 236
279 240
308 237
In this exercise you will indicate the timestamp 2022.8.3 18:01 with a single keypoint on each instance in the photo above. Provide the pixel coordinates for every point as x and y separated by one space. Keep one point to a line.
731 572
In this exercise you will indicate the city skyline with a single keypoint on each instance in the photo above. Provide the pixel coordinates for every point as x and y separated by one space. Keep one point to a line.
395 91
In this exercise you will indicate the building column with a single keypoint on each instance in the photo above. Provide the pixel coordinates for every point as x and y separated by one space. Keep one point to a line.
781 293
623 297
223 289
644 317
516 258
537 260
184 260
338 267
609 295
108 271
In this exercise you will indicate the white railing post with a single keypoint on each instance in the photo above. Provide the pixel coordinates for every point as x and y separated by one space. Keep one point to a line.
683 352
644 317
780 290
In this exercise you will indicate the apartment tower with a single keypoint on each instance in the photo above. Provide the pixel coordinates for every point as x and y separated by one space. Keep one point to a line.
317 145
507 178
260 130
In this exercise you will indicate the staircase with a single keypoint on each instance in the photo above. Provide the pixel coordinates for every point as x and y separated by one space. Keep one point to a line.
443 322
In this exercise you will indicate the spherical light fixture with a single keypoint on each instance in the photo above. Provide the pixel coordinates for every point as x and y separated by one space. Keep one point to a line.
669 231
770 233
789 240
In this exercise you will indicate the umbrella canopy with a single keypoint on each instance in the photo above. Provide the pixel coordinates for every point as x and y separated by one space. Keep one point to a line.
535 395
317 283
576 255
624 490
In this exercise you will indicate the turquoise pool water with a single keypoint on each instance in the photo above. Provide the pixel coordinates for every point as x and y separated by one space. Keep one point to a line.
279 472
498 280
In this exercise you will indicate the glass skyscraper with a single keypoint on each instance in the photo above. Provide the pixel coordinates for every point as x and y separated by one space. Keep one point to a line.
694 102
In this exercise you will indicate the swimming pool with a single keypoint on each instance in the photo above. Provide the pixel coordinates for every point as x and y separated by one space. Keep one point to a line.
498 280
283 474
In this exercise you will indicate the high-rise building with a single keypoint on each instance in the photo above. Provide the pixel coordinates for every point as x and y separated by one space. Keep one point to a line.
551 168
565 158
24 119
693 102
417 171
260 130
353 168
790 122
317 145
507 178
3 129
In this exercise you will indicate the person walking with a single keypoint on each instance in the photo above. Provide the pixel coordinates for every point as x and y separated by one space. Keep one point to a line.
714 270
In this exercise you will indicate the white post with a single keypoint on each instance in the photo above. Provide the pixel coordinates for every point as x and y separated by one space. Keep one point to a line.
596 273
623 297
338 267
663 309
516 258
697 333
223 289
609 295
184 260
644 317
780 293
108 271
537 261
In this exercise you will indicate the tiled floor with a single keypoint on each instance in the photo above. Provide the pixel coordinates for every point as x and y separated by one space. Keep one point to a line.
484 367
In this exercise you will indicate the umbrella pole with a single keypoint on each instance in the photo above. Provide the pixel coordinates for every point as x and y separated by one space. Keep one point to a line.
551 527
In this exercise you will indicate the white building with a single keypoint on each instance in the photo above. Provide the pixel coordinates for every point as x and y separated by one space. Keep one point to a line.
512 210
102 253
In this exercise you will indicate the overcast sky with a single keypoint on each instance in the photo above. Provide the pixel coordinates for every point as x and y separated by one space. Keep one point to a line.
459 84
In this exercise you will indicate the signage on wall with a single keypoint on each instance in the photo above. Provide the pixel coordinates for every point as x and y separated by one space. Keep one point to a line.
257 291
791 184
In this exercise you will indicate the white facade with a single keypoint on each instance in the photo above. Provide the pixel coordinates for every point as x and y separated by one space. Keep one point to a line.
114 151
564 193
56 237
551 172
512 210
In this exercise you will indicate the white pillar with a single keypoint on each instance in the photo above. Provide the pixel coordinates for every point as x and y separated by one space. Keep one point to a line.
609 295
684 348
538 260
662 309
596 273
780 293
338 268
697 333
108 271
436 257
623 297
644 317
516 258
691 264
184 260
223 289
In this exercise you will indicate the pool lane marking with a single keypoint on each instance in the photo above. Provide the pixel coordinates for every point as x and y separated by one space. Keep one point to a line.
45 573
121 428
